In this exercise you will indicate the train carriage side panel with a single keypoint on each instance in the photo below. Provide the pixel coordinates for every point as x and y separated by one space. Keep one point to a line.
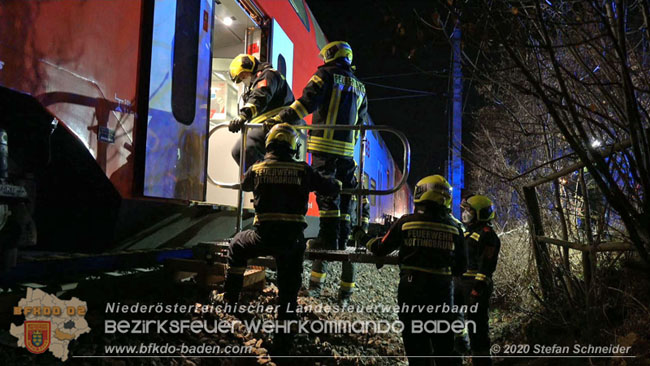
84 71
87 72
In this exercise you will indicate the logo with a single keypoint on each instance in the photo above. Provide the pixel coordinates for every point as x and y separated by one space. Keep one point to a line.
37 336
50 323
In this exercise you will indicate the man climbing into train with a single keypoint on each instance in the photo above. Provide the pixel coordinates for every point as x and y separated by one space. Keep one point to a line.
335 97
266 92
431 250
483 246
280 187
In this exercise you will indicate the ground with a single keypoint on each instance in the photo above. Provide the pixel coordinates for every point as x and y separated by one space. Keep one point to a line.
374 287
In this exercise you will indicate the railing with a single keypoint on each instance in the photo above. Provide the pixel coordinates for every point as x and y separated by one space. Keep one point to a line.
356 191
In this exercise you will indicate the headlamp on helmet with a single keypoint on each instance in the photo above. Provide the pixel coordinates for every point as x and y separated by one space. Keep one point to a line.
433 188
336 50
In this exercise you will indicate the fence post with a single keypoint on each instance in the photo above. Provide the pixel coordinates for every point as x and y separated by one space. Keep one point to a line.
540 250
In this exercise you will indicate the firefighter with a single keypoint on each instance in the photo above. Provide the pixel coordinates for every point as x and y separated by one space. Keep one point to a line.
266 92
281 189
483 246
336 97
431 250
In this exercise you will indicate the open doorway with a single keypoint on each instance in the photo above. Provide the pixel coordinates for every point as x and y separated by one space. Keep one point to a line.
234 33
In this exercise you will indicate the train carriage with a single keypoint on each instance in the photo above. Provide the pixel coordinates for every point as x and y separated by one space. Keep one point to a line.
127 93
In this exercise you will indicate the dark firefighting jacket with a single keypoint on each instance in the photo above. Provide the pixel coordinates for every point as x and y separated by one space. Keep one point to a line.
428 240
281 188
267 93
336 97
483 246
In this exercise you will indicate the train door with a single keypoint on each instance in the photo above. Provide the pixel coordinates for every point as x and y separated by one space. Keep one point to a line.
234 33
177 120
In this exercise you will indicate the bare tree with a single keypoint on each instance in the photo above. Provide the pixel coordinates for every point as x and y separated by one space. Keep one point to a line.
573 76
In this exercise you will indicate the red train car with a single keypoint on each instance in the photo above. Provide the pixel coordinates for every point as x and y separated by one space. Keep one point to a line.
133 88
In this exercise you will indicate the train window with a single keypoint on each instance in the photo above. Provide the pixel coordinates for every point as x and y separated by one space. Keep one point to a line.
373 198
185 60
321 40
300 9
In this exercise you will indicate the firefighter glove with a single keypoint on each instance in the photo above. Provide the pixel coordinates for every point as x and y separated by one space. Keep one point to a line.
237 123
269 123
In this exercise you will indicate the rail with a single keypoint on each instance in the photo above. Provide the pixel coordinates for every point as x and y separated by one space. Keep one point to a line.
356 191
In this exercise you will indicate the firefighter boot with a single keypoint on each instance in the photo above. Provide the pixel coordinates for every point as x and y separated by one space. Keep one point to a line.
317 278
347 283
232 287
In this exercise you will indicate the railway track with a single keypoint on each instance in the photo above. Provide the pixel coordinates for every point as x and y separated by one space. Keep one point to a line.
46 268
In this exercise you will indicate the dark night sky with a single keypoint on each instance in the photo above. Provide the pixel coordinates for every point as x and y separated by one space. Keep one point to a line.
387 39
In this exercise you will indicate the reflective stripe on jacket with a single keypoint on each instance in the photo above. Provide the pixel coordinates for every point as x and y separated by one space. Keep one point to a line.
335 97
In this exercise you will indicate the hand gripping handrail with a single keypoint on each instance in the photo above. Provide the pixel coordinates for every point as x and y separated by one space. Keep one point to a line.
356 191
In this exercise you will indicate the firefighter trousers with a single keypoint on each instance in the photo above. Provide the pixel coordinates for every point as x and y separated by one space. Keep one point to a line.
419 288
349 204
330 235
288 249
480 340
329 206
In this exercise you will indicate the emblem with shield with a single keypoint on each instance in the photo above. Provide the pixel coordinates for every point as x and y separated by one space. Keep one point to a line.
37 336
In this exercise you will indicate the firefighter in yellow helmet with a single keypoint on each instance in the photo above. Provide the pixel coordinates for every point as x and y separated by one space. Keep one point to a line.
431 251
335 97
483 246
281 188
266 91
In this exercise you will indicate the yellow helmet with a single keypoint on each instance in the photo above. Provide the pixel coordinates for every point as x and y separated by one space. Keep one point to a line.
433 188
482 206
241 63
335 50
285 134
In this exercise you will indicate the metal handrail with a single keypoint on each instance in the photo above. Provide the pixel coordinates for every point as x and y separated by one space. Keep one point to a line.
364 192
213 181
363 129
355 191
